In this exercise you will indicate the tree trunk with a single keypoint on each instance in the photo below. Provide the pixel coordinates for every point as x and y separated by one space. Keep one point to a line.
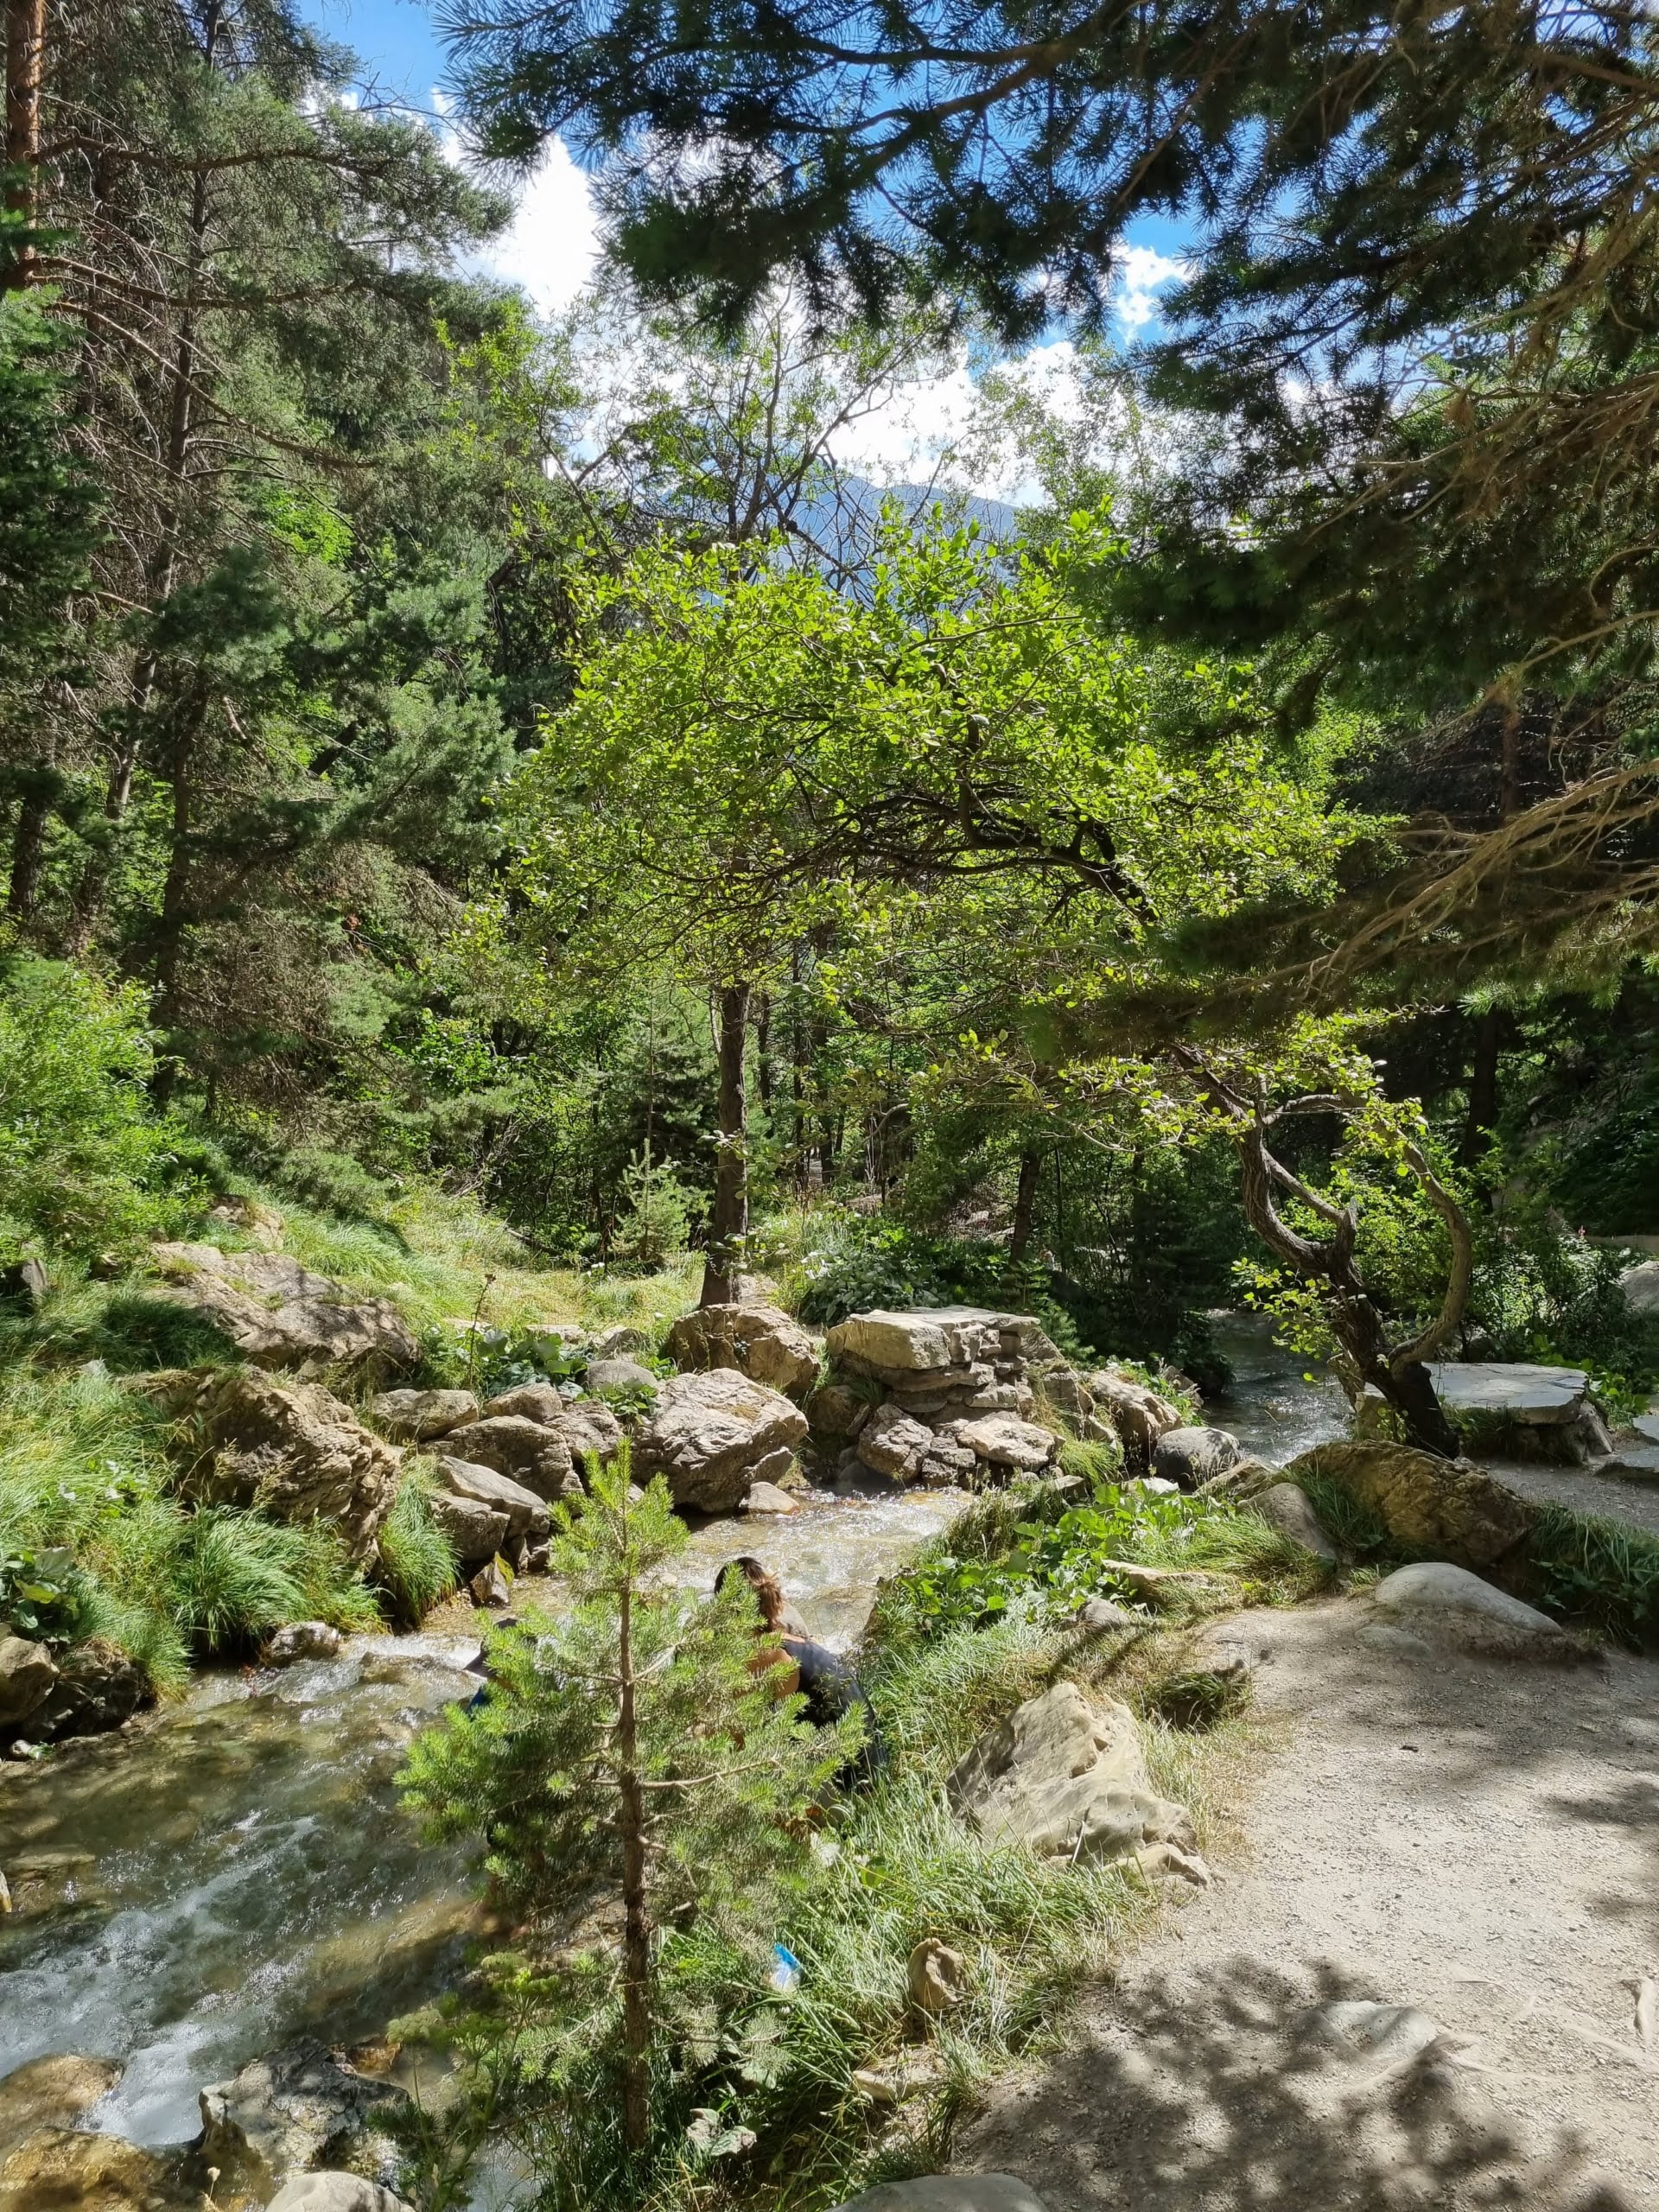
25 71
28 849
1482 1087
175 916
729 1222
636 1915
763 1074
1024 1202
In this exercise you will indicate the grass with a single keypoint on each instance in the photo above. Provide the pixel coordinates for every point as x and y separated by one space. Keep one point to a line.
417 1563
230 1577
1596 1575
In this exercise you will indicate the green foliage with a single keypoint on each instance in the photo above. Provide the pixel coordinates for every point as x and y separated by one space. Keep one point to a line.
1598 1575
83 1162
235 1576
658 1217
1197 1697
634 1719
417 1565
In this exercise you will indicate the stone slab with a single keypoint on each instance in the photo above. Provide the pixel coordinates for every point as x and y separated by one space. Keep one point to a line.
1510 1389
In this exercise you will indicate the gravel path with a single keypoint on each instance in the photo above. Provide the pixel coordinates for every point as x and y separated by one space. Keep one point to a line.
1478 1840
1611 1497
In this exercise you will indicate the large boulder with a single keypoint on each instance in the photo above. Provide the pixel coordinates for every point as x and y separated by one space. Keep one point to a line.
52 2092
1188 1456
536 1401
1438 1505
98 1687
28 1671
620 1373
1518 1409
1137 1414
67 2169
713 1435
473 1529
289 1449
297 2110
416 1416
1284 1507
1447 1603
1004 1440
837 1413
334 2193
1066 1777
589 1426
760 1341
891 1442
277 1314
528 1450
526 1514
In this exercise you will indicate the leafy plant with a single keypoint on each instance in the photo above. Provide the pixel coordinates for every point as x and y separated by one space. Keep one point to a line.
418 1563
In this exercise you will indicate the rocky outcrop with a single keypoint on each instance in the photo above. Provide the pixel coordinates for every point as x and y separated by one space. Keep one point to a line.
1067 1778
98 1687
1447 1603
1438 1505
289 1449
416 1416
474 1531
760 1341
1516 1408
298 2110
713 1435
620 1373
278 1314
28 1671
1191 1457
525 1513
958 1386
589 1426
533 1455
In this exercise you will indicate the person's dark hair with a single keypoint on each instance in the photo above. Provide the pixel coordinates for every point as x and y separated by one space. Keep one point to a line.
766 1587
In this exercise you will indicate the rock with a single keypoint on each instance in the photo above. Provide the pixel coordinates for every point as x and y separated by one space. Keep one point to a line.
1191 1456
301 1640
1439 1505
542 1403
334 2193
473 1529
1004 1440
1531 1397
416 1416
948 2193
64 2170
28 1671
1640 1285
766 1497
98 1687
591 1426
760 1341
834 1411
1240 1482
619 1374
616 1343
936 1338
946 1464
713 1435
1286 1509
526 1514
277 1314
1067 1778
1155 1584
25 1283
52 2092
1099 1614
893 1443
937 1977
490 1586
534 1456
292 1451
262 1223
297 2110
1442 1602
1138 1414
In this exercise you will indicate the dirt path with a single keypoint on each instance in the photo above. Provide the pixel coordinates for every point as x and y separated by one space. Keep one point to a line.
1475 1839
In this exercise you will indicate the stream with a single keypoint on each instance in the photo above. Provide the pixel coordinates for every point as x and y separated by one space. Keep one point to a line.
238 1871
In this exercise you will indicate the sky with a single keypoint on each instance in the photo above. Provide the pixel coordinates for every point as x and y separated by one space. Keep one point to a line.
552 245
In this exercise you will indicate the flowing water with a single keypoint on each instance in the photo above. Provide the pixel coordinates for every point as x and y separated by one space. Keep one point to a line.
239 1871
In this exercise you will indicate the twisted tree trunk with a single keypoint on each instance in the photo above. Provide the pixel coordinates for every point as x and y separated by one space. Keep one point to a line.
729 1222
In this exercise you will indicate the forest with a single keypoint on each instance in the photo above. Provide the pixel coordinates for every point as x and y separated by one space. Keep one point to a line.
515 819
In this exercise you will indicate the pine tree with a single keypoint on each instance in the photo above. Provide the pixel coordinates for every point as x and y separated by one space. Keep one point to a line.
628 1748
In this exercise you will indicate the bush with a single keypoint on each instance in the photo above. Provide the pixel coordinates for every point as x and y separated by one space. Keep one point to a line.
234 1576
83 1162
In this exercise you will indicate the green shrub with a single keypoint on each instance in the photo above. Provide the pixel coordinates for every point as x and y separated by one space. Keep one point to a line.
235 1576
84 1164
1600 1575
417 1565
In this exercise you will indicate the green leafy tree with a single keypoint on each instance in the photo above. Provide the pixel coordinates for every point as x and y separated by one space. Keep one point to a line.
629 1748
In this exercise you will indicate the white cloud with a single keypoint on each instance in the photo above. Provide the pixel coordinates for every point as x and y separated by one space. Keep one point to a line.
552 244
1140 272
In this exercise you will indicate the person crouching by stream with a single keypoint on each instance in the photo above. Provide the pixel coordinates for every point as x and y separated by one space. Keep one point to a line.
823 1677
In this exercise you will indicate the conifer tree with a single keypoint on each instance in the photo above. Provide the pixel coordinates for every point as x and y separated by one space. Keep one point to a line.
629 1746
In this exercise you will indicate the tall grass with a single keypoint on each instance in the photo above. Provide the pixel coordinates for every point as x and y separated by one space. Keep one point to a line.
418 1563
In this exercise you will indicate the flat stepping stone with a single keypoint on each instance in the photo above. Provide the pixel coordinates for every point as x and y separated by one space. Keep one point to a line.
1538 1397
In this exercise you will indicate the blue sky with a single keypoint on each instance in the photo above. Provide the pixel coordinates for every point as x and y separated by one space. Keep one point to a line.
552 247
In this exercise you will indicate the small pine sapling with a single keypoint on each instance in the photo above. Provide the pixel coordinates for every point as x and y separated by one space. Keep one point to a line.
631 1750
